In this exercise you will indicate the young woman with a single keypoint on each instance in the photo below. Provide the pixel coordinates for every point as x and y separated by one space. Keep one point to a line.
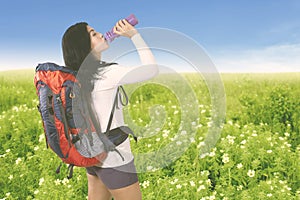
82 47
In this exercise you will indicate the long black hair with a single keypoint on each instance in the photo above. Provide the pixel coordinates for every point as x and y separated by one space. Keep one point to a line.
76 47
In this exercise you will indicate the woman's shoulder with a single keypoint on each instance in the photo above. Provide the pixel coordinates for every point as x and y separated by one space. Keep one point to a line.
107 78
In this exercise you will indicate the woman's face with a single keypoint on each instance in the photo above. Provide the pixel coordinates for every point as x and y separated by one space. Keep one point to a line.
98 42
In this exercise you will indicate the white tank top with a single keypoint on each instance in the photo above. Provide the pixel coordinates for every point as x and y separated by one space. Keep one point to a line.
105 90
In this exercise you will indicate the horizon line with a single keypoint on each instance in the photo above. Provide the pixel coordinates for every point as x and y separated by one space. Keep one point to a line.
180 71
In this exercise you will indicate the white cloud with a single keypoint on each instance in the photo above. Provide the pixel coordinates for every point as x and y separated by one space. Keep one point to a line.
277 58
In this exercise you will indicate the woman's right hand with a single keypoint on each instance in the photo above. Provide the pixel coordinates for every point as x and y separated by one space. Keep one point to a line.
125 29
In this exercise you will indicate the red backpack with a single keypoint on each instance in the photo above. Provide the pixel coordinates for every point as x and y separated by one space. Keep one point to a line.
66 122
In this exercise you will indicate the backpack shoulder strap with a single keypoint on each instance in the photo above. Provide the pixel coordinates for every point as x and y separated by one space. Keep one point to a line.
112 112
119 92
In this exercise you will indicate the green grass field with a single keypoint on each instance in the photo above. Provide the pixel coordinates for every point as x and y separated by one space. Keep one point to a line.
256 157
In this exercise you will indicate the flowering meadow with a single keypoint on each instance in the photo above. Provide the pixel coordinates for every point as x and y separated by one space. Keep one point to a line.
257 155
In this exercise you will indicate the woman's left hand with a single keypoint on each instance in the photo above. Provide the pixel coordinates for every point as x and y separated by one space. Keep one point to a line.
125 29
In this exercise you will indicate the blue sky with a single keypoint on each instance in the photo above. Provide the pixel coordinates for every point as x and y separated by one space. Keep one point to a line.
239 36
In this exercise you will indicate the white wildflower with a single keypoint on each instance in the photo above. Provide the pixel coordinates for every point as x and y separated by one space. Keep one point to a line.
208 182
225 158
204 173
212 154
201 187
287 144
201 144
18 160
239 166
199 126
41 181
57 182
183 132
240 187
230 139
192 140
178 186
175 181
192 183
149 168
65 181
145 184
243 142
287 134
288 188
209 124
165 135
203 155
251 173
42 137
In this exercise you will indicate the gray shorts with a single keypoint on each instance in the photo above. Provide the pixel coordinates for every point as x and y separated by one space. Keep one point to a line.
116 177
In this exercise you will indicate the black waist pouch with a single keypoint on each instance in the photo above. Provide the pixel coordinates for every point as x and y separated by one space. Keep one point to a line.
120 134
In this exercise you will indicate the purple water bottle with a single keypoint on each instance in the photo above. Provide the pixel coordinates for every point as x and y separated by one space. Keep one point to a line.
110 35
